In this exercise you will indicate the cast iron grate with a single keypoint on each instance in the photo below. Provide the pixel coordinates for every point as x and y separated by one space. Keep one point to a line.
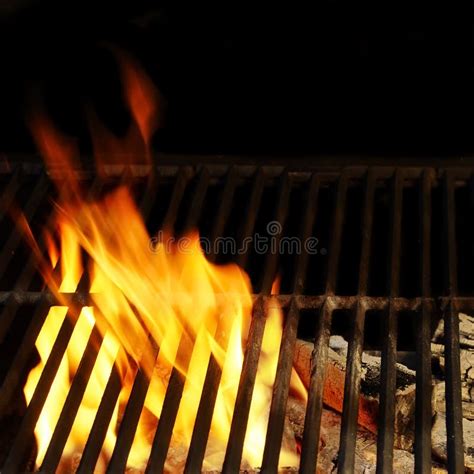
392 239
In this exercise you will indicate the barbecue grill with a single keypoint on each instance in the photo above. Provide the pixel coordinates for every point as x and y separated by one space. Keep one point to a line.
392 240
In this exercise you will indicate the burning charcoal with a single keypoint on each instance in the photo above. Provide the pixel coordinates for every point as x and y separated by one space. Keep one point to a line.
333 393
438 437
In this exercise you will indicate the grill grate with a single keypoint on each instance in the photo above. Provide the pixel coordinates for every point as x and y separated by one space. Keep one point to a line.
210 197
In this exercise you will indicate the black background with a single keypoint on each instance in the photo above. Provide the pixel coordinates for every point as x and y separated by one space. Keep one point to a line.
359 77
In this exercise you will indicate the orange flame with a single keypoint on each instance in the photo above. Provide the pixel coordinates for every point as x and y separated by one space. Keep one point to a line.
169 294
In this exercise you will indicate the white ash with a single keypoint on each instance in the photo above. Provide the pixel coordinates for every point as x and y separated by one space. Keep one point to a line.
438 439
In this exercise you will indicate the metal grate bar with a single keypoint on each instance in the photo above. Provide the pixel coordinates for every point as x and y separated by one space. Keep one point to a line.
423 412
225 207
389 350
301 264
337 235
130 419
248 374
79 384
30 268
251 214
114 385
425 304
5 204
312 422
37 196
29 342
139 390
169 411
195 206
353 370
281 386
7 315
207 402
72 403
461 303
17 368
102 419
41 392
10 192
271 262
176 382
148 197
451 334
176 198
49 371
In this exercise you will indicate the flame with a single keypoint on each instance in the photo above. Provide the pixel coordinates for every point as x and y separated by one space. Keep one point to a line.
168 296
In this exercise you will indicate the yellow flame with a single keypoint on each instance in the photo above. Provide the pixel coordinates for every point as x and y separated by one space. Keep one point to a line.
169 294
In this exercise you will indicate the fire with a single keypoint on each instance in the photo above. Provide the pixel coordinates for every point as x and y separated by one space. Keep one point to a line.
169 294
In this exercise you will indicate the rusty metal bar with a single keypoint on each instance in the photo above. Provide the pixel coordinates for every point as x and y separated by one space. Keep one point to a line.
176 198
359 303
148 197
131 416
76 391
281 386
240 416
101 423
6 200
354 359
312 423
37 196
225 207
243 400
7 315
10 191
423 414
30 268
114 384
251 214
389 352
12 379
174 392
462 303
195 206
451 334
28 423
176 382
281 210
335 250
72 403
207 401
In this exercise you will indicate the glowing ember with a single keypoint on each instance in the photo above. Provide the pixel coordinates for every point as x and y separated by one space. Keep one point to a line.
168 296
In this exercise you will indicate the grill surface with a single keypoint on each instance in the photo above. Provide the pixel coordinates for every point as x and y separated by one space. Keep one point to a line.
394 246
